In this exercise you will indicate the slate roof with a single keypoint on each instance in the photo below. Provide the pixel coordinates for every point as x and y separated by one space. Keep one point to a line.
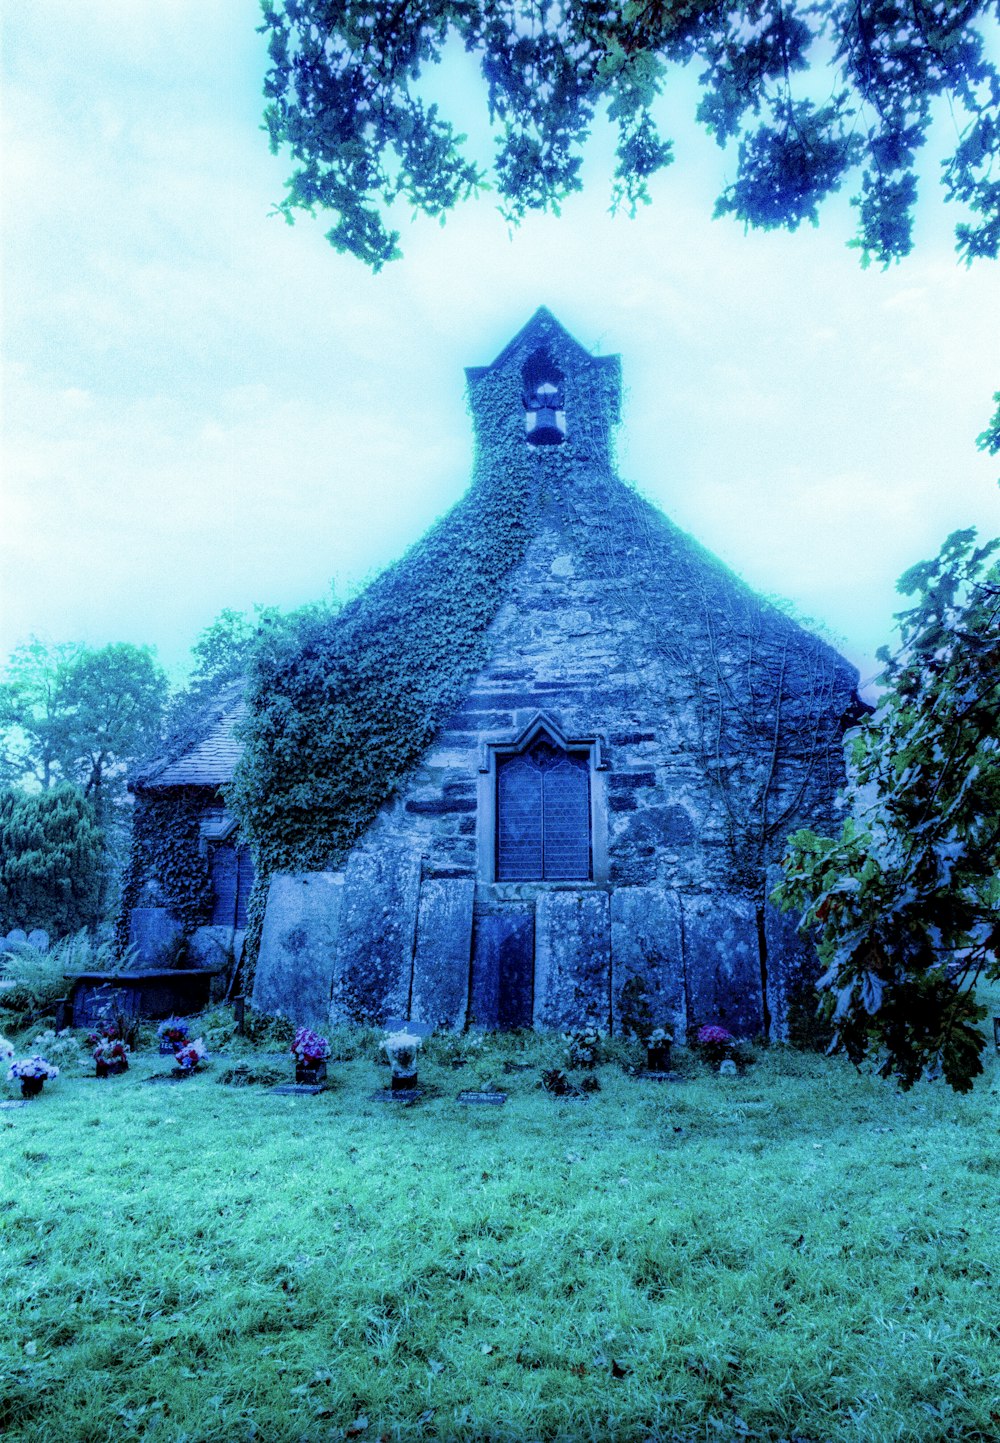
209 756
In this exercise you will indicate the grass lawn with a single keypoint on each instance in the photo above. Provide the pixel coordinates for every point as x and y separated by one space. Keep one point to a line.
797 1253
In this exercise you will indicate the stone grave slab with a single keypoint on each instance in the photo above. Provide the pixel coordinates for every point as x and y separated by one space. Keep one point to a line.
572 960
647 960
157 935
441 958
373 964
298 1089
301 926
722 964
503 967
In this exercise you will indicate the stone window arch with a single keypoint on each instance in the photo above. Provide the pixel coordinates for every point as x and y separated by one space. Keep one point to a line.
543 809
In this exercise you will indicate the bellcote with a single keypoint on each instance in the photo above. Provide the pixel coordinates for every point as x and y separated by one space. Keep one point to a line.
545 395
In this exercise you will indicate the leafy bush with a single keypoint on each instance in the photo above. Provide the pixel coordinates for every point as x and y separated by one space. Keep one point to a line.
62 1048
253 1073
51 853
40 977
267 1029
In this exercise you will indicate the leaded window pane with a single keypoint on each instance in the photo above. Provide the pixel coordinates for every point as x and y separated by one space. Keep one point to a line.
519 821
543 816
566 821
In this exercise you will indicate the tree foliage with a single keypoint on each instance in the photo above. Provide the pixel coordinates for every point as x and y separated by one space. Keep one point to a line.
810 92
51 853
906 901
70 713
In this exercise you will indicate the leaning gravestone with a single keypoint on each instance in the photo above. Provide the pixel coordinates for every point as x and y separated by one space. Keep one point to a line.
373 965
39 939
722 964
15 935
647 957
441 958
572 960
295 965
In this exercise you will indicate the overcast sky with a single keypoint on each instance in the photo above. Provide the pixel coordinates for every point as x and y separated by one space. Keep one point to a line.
206 408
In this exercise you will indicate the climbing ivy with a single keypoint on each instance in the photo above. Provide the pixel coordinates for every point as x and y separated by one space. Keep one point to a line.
166 845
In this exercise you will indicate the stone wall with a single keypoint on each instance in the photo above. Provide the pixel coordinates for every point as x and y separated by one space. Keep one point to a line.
719 730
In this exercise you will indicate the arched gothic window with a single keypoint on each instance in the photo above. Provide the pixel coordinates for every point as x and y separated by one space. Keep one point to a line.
543 812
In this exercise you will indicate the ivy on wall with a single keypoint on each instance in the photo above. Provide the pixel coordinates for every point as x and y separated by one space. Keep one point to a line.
166 849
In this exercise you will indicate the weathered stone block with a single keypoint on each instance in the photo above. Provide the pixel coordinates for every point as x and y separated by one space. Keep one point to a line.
441 957
157 935
573 960
722 964
373 965
647 962
211 947
503 969
295 967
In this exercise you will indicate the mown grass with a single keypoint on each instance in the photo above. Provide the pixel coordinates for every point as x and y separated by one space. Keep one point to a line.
799 1253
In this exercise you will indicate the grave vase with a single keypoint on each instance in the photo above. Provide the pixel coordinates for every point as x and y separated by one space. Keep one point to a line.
114 1068
310 1071
32 1086
658 1057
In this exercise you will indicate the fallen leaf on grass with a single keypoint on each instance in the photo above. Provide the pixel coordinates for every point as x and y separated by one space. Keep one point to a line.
427 1416
358 1426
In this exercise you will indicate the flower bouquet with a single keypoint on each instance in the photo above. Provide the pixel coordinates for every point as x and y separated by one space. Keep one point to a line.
173 1034
111 1057
402 1048
310 1051
658 1045
189 1058
716 1043
32 1073
583 1048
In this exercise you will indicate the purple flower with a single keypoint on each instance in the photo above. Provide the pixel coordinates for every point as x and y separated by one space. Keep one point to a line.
309 1046
714 1036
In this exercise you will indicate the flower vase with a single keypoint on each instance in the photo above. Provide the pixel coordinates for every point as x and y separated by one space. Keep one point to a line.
310 1071
658 1057
114 1068
32 1086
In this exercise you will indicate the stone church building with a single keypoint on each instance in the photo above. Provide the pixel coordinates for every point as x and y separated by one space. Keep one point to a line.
586 832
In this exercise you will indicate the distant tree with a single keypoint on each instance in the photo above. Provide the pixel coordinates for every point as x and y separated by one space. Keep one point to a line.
34 712
76 714
51 854
73 713
811 91
905 903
